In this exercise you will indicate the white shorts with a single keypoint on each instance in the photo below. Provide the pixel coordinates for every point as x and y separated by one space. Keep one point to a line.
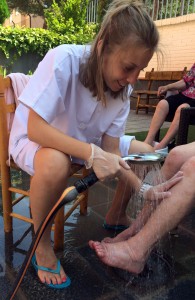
26 156
125 144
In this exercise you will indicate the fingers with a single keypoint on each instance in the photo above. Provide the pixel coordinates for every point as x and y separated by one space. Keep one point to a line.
123 164
107 165
161 195
162 90
178 174
171 182
162 191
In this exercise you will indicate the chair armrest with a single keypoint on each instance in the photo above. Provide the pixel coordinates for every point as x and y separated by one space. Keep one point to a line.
147 92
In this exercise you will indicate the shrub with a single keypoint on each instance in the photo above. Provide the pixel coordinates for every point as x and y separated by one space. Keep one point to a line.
38 40
67 16
4 11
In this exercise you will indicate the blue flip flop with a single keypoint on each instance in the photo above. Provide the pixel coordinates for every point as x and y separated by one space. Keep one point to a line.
114 227
56 271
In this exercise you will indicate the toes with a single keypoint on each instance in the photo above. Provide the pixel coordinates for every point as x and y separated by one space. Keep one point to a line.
91 244
49 278
63 276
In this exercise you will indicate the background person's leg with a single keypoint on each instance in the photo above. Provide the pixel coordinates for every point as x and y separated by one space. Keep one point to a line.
173 129
158 119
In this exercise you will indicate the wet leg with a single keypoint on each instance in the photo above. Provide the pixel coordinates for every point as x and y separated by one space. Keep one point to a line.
132 254
128 184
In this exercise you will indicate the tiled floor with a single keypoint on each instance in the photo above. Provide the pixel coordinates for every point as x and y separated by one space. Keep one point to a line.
171 268
140 122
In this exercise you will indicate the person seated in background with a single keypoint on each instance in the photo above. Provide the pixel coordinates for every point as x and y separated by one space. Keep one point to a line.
130 249
184 97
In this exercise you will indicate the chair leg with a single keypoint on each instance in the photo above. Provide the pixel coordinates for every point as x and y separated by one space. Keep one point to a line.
84 202
147 103
59 230
6 198
138 101
59 219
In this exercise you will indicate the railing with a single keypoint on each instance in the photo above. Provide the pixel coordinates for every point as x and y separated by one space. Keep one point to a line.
92 11
164 9
157 9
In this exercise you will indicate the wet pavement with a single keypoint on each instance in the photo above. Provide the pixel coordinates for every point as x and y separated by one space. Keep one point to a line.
169 273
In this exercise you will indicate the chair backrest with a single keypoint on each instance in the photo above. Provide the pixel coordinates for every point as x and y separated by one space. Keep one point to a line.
6 116
161 75
167 75
148 76
177 75
10 89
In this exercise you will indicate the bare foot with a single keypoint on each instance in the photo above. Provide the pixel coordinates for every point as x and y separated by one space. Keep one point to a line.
123 236
118 255
49 260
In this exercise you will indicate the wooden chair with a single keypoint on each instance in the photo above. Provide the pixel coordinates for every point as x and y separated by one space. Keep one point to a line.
148 98
144 95
6 114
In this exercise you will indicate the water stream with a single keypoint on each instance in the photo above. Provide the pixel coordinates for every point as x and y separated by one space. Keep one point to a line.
159 267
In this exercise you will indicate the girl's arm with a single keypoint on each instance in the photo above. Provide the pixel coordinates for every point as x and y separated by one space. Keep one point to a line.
42 133
104 164
110 144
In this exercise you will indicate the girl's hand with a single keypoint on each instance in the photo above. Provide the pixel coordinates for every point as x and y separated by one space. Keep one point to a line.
161 191
106 165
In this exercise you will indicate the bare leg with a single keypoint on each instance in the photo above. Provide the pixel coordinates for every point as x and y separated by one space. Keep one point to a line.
117 212
158 119
138 146
173 129
136 225
154 198
176 158
132 254
173 163
126 185
46 187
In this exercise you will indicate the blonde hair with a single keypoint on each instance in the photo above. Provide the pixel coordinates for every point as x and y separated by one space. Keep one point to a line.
124 19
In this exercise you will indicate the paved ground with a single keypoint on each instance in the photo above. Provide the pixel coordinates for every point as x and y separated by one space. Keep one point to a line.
141 121
171 268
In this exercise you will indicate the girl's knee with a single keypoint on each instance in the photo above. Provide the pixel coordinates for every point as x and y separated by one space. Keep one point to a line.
52 164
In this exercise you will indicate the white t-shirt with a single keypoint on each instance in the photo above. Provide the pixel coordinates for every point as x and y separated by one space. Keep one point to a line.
56 94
